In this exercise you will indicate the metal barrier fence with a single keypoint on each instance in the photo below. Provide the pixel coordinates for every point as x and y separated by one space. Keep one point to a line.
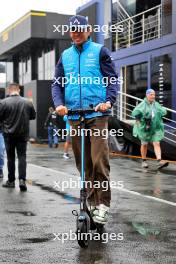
126 103
137 29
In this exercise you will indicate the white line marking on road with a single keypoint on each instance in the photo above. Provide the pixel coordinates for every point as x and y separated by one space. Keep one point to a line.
52 170
147 196
120 189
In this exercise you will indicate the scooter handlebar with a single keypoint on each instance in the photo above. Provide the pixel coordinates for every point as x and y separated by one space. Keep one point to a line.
81 111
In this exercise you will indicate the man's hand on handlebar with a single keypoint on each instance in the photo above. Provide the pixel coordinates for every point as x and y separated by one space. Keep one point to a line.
103 107
61 110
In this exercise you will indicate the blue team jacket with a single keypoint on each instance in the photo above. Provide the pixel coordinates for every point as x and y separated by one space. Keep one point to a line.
84 80
93 63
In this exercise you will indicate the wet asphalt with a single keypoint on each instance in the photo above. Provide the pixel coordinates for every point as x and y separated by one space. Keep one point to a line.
143 211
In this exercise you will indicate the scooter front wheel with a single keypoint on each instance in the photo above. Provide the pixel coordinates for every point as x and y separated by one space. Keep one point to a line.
82 236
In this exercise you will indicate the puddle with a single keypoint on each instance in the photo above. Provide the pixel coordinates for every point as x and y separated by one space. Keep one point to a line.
65 196
144 171
23 224
25 213
147 231
36 240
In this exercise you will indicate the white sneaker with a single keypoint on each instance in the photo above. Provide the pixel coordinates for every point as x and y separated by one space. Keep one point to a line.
66 156
93 211
102 215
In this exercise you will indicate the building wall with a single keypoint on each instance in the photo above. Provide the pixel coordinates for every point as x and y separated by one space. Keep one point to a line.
146 52
30 92
21 46
91 13
95 7
44 101
39 92
33 25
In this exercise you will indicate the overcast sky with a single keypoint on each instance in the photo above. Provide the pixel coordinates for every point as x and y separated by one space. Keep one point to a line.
11 10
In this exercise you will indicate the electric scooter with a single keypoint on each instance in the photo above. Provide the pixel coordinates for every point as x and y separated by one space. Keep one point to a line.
84 221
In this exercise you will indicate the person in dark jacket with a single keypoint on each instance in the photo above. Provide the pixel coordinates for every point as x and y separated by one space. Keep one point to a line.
2 148
15 114
87 60
51 125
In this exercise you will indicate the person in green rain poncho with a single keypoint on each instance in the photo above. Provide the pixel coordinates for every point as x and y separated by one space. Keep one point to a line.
149 126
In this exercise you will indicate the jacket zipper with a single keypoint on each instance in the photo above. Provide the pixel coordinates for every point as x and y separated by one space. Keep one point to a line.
79 77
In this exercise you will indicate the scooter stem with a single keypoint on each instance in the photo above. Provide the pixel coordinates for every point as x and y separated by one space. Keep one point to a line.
83 193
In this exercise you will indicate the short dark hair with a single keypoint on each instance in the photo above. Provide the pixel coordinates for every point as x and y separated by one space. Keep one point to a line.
13 84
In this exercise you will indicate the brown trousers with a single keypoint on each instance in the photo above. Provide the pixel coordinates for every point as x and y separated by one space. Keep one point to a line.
97 167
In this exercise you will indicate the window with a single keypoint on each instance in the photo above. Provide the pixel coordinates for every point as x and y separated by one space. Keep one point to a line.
2 75
135 84
9 71
136 79
41 68
46 65
49 64
25 70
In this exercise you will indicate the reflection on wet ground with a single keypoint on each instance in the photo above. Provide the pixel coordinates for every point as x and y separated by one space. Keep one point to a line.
37 239
25 213
153 182
148 225
147 231
64 195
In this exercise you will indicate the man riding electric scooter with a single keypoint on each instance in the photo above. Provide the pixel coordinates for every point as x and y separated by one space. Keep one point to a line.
91 65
